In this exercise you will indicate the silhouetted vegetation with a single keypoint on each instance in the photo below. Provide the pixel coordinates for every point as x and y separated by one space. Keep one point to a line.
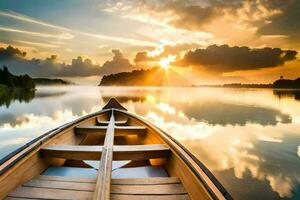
12 81
13 87
286 83
48 81
240 85
281 83
9 94
145 77
134 78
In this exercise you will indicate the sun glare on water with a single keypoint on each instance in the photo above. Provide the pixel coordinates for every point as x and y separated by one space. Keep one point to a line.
165 62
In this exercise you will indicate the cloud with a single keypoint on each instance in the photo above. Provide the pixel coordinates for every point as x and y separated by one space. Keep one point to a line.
193 14
11 53
287 23
124 40
25 18
143 56
236 22
64 32
225 58
213 59
117 64
161 52
15 60
65 36
81 67
37 44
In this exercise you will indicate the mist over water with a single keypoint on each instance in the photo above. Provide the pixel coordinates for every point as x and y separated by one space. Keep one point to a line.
248 138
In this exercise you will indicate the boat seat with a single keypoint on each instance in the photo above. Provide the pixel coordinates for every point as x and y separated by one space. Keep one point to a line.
119 130
122 152
53 187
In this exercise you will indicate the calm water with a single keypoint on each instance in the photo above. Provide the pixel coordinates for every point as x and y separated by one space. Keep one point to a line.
249 138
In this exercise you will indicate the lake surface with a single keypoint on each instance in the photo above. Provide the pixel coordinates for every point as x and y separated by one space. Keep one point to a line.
248 138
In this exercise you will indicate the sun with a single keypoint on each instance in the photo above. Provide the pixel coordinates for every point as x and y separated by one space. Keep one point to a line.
165 62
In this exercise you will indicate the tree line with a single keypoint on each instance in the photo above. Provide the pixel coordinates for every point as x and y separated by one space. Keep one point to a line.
13 81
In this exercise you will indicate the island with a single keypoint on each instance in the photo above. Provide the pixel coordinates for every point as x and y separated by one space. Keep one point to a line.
144 77
48 81
287 84
159 77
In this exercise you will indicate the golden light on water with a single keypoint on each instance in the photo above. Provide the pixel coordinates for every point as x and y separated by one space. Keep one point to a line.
165 62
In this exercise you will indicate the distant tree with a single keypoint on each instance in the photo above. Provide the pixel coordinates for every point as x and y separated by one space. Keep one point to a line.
7 78
10 80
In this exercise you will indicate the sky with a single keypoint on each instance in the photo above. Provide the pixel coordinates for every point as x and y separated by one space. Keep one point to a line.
206 41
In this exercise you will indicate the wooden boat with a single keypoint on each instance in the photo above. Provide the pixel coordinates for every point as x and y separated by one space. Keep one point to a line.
110 154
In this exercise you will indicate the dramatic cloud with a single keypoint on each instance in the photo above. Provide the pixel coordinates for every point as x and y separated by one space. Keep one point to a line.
216 59
225 58
161 52
219 59
288 23
15 60
80 67
193 14
143 57
236 22
117 64
240 12
11 53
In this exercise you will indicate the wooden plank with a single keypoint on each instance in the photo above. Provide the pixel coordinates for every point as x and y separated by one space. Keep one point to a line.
162 189
123 152
148 189
133 181
119 130
46 193
17 198
65 178
102 191
61 185
146 181
131 197
149 197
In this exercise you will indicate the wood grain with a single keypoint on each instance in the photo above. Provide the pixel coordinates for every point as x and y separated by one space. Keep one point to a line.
47 193
130 181
102 191
175 188
123 152
119 130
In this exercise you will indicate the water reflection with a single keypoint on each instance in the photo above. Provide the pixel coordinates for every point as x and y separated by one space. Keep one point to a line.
11 95
7 96
248 138
217 112
287 94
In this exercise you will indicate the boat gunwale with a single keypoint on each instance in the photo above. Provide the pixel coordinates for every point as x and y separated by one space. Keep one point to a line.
209 174
41 139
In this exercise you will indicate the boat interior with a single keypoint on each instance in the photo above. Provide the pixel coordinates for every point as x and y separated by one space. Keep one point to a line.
111 154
